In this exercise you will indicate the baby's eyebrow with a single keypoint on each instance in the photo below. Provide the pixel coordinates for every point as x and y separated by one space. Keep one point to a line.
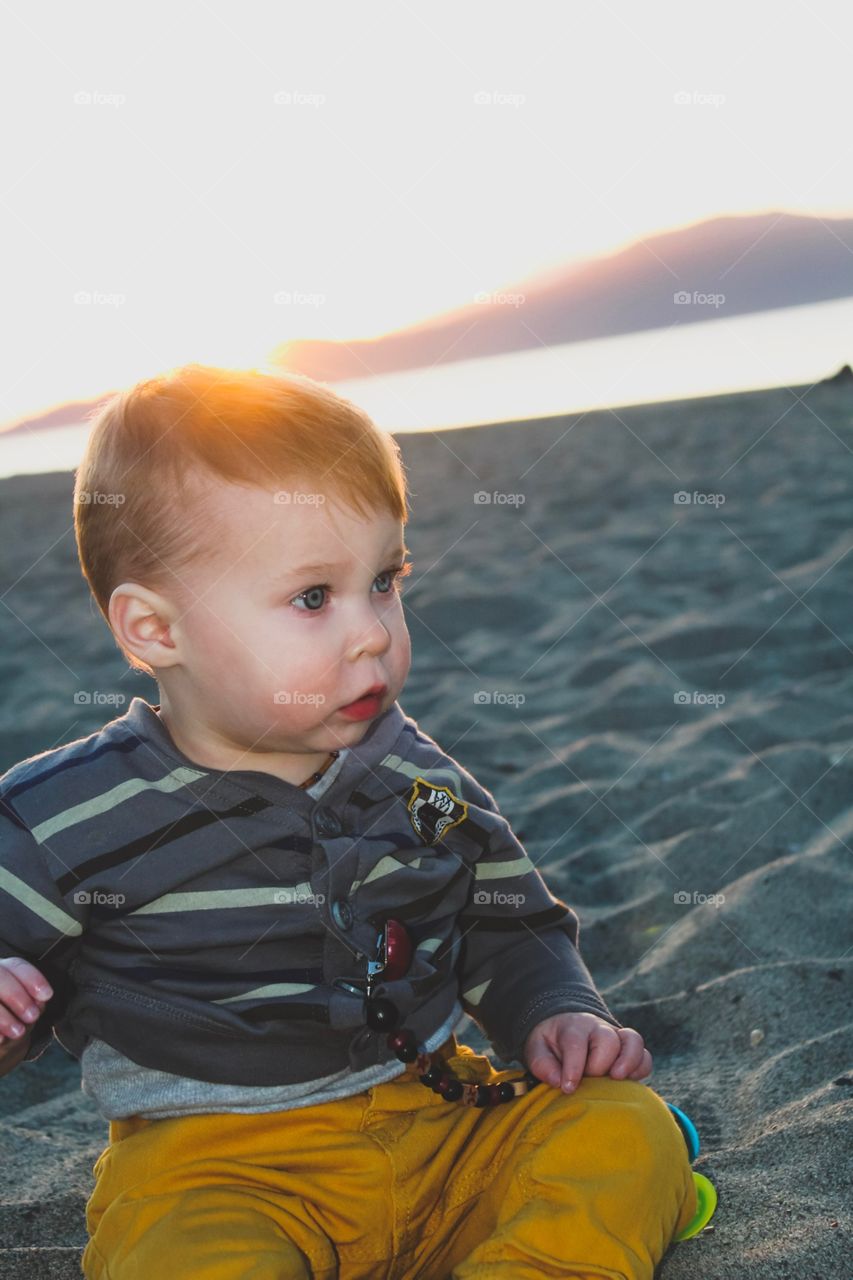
298 570
328 567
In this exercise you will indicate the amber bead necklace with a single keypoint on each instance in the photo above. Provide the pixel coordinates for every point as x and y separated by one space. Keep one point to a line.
393 956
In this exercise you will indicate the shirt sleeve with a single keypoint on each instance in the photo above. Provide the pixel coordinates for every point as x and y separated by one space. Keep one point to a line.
519 961
37 921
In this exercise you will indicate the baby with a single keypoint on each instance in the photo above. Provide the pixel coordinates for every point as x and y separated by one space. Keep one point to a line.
258 910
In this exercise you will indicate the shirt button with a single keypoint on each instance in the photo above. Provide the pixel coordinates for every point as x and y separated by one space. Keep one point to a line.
327 822
342 913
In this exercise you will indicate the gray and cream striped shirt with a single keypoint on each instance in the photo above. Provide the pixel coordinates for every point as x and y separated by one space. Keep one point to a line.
209 925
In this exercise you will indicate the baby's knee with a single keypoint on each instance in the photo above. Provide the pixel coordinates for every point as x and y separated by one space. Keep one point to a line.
644 1148
203 1234
642 1127
620 1125
654 1152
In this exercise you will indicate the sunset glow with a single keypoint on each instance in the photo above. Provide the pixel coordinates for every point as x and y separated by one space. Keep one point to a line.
322 189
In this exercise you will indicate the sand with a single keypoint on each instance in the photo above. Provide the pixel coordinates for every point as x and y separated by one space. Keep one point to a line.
599 599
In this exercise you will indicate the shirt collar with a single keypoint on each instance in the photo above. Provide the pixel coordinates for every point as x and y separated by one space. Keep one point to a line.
357 766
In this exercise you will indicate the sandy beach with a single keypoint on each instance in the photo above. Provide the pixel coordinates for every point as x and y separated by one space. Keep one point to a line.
659 693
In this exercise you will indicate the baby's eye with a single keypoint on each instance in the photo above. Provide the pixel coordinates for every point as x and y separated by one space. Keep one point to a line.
396 576
313 597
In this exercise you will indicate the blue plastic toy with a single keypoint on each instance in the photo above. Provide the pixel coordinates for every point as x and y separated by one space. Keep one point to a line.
706 1194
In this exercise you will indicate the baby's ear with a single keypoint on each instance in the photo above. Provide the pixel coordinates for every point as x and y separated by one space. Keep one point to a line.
142 622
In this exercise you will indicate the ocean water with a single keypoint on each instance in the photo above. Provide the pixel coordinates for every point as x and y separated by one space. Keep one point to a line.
791 346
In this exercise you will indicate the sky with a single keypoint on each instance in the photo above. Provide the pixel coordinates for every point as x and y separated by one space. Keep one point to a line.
204 181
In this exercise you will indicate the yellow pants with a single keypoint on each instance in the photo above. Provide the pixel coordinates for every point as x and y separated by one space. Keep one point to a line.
394 1183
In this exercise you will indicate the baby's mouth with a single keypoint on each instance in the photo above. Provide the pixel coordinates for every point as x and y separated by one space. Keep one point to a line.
368 702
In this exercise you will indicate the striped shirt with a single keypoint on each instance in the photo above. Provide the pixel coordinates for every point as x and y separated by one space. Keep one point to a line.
120 1087
209 924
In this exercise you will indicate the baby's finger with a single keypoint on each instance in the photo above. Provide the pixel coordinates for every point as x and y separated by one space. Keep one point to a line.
573 1047
17 1005
35 983
605 1048
644 1070
630 1054
543 1064
10 1027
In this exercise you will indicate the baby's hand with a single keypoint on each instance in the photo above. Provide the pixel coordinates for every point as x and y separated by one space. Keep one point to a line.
22 988
567 1046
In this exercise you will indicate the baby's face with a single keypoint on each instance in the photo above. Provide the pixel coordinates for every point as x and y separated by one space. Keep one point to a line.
272 650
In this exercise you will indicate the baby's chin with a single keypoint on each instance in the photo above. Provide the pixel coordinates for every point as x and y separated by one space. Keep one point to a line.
349 731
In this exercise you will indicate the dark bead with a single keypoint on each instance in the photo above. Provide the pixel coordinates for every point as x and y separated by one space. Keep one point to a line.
439 1079
404 1044
402 1039
398 950
382 1015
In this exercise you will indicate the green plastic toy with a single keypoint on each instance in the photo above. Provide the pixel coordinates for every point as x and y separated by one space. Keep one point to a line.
706 1194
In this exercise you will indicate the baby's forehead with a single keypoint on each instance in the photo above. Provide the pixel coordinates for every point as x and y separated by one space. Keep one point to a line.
296 505
249 526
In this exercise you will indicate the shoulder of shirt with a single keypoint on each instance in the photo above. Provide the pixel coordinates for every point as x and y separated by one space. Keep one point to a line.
421 752
59 768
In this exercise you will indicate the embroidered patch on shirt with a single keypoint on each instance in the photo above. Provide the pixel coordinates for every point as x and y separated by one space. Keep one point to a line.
434 810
